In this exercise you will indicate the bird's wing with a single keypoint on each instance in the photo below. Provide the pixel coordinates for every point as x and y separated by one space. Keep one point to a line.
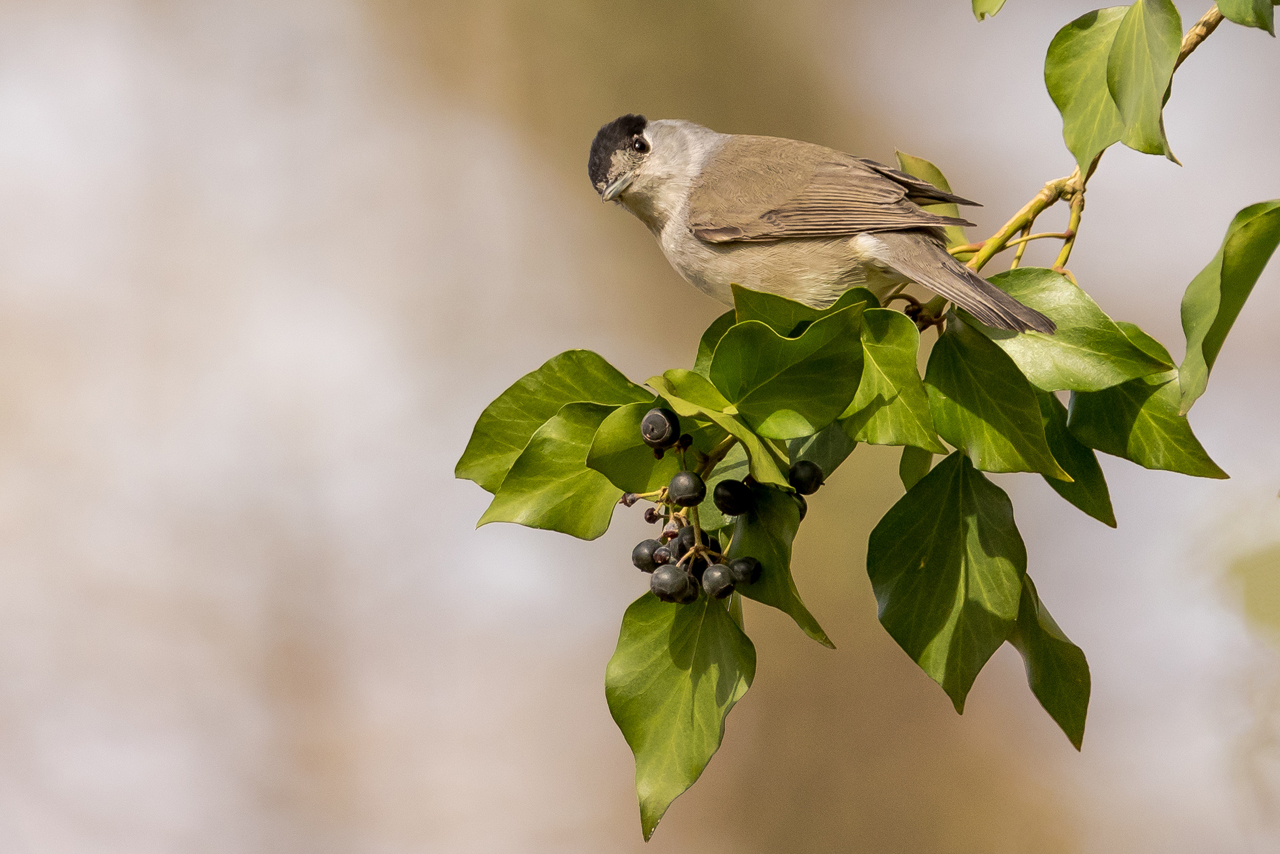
757 188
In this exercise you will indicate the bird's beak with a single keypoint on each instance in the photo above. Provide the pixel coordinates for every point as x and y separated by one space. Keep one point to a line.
612 191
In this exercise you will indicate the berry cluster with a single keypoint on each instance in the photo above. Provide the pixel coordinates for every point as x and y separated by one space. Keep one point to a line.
684 560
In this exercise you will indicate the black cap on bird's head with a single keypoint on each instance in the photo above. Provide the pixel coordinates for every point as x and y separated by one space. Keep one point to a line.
616 151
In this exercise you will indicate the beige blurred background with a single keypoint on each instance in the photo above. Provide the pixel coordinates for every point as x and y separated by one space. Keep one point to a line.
263 263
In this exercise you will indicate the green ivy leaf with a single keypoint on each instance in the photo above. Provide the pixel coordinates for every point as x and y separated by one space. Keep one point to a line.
1139 421
1087 353
549 485
1250 13
1215 297
926 171
827 448
1088 487
1075 73
768 465
677 672
981 9
696 389
785 388
1139 69
891 406
766 534
618 452
789 318
507 424
1056 668
946 563
710 338
914 465
983 405
1144 342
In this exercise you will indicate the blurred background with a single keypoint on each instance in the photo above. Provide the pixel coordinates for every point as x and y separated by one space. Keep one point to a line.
263 263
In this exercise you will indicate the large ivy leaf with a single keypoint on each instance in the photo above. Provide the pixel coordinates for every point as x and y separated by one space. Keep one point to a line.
1250 13
981 9
1087 353
788 317
1139 69
785 388
710 338
1056 668
926 171
507 424
618 452
677 672
1088 487
982 404
946 563
549 485
891 406
1139 421
1075 73
766 534
767 464
1215 297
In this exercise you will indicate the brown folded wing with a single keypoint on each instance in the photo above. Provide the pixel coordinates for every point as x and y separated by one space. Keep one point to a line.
758 188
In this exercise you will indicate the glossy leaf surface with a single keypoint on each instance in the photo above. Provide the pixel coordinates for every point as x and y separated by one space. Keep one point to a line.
676 673
766 534
982 404
891 406
1056 668
549 485
507 424
1216 296
946 563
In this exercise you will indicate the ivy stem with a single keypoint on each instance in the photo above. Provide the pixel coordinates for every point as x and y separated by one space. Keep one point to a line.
1073 227
1200 31
1022 248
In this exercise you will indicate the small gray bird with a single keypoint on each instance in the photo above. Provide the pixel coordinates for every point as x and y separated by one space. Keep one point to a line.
788 217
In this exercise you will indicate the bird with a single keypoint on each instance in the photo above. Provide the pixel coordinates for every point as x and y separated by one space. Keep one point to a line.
788 217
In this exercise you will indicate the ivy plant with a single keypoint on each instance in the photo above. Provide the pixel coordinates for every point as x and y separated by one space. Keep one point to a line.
723 453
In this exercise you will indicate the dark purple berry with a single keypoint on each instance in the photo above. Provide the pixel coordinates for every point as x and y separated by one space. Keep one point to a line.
662 554
718 581
652 516
745 570
670 583
686 538
732 497
687 489
660 428
642 555
805 477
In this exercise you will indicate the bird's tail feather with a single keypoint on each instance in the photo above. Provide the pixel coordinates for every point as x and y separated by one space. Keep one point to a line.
923 260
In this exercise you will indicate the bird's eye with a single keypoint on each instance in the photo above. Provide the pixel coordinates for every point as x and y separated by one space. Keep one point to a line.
640 144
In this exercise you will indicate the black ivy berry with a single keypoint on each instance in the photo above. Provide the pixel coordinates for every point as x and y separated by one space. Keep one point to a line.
660 428
805 477
652 516
717 581
732 497
687 489
662 554
670 583
642 555
745 570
